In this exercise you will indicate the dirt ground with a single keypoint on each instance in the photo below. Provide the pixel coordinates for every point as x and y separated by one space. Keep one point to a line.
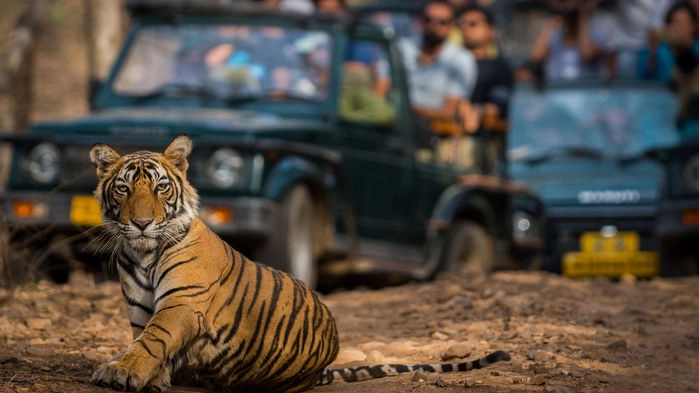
564 336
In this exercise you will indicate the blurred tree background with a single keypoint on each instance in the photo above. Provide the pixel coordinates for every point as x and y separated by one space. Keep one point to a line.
50 48
54 61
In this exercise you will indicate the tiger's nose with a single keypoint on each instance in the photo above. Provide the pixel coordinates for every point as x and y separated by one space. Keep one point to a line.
141 224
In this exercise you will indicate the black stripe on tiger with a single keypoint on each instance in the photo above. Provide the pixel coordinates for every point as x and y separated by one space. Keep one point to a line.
362 373
175 290
169 269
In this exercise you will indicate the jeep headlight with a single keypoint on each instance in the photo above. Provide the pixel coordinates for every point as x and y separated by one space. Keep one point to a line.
43 163
523 226
225 168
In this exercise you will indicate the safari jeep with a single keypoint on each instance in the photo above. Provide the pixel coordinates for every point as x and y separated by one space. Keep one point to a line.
301 158
583 147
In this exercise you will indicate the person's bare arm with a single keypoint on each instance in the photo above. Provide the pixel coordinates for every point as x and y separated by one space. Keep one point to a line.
540 49
589 49
382 86
446 112
653 42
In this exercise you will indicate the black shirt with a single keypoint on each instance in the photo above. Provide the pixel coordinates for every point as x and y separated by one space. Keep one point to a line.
494 84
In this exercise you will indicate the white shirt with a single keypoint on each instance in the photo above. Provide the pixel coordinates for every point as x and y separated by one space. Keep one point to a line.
452 74
631 21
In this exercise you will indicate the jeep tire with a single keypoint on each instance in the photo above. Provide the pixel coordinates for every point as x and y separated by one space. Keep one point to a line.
469 248
290 245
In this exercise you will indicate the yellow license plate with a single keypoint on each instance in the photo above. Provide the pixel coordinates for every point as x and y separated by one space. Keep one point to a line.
611 264
610 255
85 211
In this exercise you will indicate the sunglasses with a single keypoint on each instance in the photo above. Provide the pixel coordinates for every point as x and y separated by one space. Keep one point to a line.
439 21
471 23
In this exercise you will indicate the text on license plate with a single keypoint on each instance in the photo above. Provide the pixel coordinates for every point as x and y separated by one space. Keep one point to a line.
611 264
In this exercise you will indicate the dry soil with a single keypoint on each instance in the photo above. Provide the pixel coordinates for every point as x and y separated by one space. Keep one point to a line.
564 336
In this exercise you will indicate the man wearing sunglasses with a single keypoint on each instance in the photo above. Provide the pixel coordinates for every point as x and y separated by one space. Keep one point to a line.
441 74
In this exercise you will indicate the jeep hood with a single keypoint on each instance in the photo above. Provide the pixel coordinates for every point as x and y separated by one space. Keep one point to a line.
120 123
605 183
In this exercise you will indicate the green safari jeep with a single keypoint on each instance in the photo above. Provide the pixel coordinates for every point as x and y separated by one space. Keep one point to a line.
305 152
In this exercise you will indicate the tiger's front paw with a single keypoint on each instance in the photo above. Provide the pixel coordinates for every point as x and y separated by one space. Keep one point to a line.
118 377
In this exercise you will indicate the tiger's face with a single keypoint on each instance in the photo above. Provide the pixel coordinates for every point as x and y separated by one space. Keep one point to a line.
145 196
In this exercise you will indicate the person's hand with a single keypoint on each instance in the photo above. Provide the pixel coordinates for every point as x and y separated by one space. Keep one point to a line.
491 118
552 24
470 116
490 112
218 55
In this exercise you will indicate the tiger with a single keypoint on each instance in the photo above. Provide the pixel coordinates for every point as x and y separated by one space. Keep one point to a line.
195 303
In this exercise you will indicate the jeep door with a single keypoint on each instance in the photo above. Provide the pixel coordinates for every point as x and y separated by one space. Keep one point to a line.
377 155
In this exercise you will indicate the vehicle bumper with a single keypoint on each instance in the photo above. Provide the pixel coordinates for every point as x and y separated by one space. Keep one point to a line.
228 217
249 217
566 228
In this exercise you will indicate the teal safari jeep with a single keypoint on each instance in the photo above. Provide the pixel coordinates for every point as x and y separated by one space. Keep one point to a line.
301 159
583 147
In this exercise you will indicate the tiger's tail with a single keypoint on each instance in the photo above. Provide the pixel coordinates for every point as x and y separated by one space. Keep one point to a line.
355 374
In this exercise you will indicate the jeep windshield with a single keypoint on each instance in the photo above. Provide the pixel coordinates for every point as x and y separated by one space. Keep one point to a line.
591 121
233 63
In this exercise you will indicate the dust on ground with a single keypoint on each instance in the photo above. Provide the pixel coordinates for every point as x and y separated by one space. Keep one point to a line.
564 336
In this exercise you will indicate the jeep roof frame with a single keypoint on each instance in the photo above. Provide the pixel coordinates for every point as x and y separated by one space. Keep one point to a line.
174 8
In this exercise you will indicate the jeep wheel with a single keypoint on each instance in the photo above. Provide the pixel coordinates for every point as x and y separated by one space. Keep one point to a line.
470 248
290 246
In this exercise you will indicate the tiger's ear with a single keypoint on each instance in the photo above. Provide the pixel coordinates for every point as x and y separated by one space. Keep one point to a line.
103 157
178 151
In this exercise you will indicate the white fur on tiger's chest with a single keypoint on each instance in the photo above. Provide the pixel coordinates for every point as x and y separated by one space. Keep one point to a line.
138 287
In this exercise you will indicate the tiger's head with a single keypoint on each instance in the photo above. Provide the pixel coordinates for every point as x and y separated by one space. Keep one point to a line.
145 196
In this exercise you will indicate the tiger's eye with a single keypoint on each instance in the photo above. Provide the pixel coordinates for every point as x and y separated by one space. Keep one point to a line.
122 189
162 187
